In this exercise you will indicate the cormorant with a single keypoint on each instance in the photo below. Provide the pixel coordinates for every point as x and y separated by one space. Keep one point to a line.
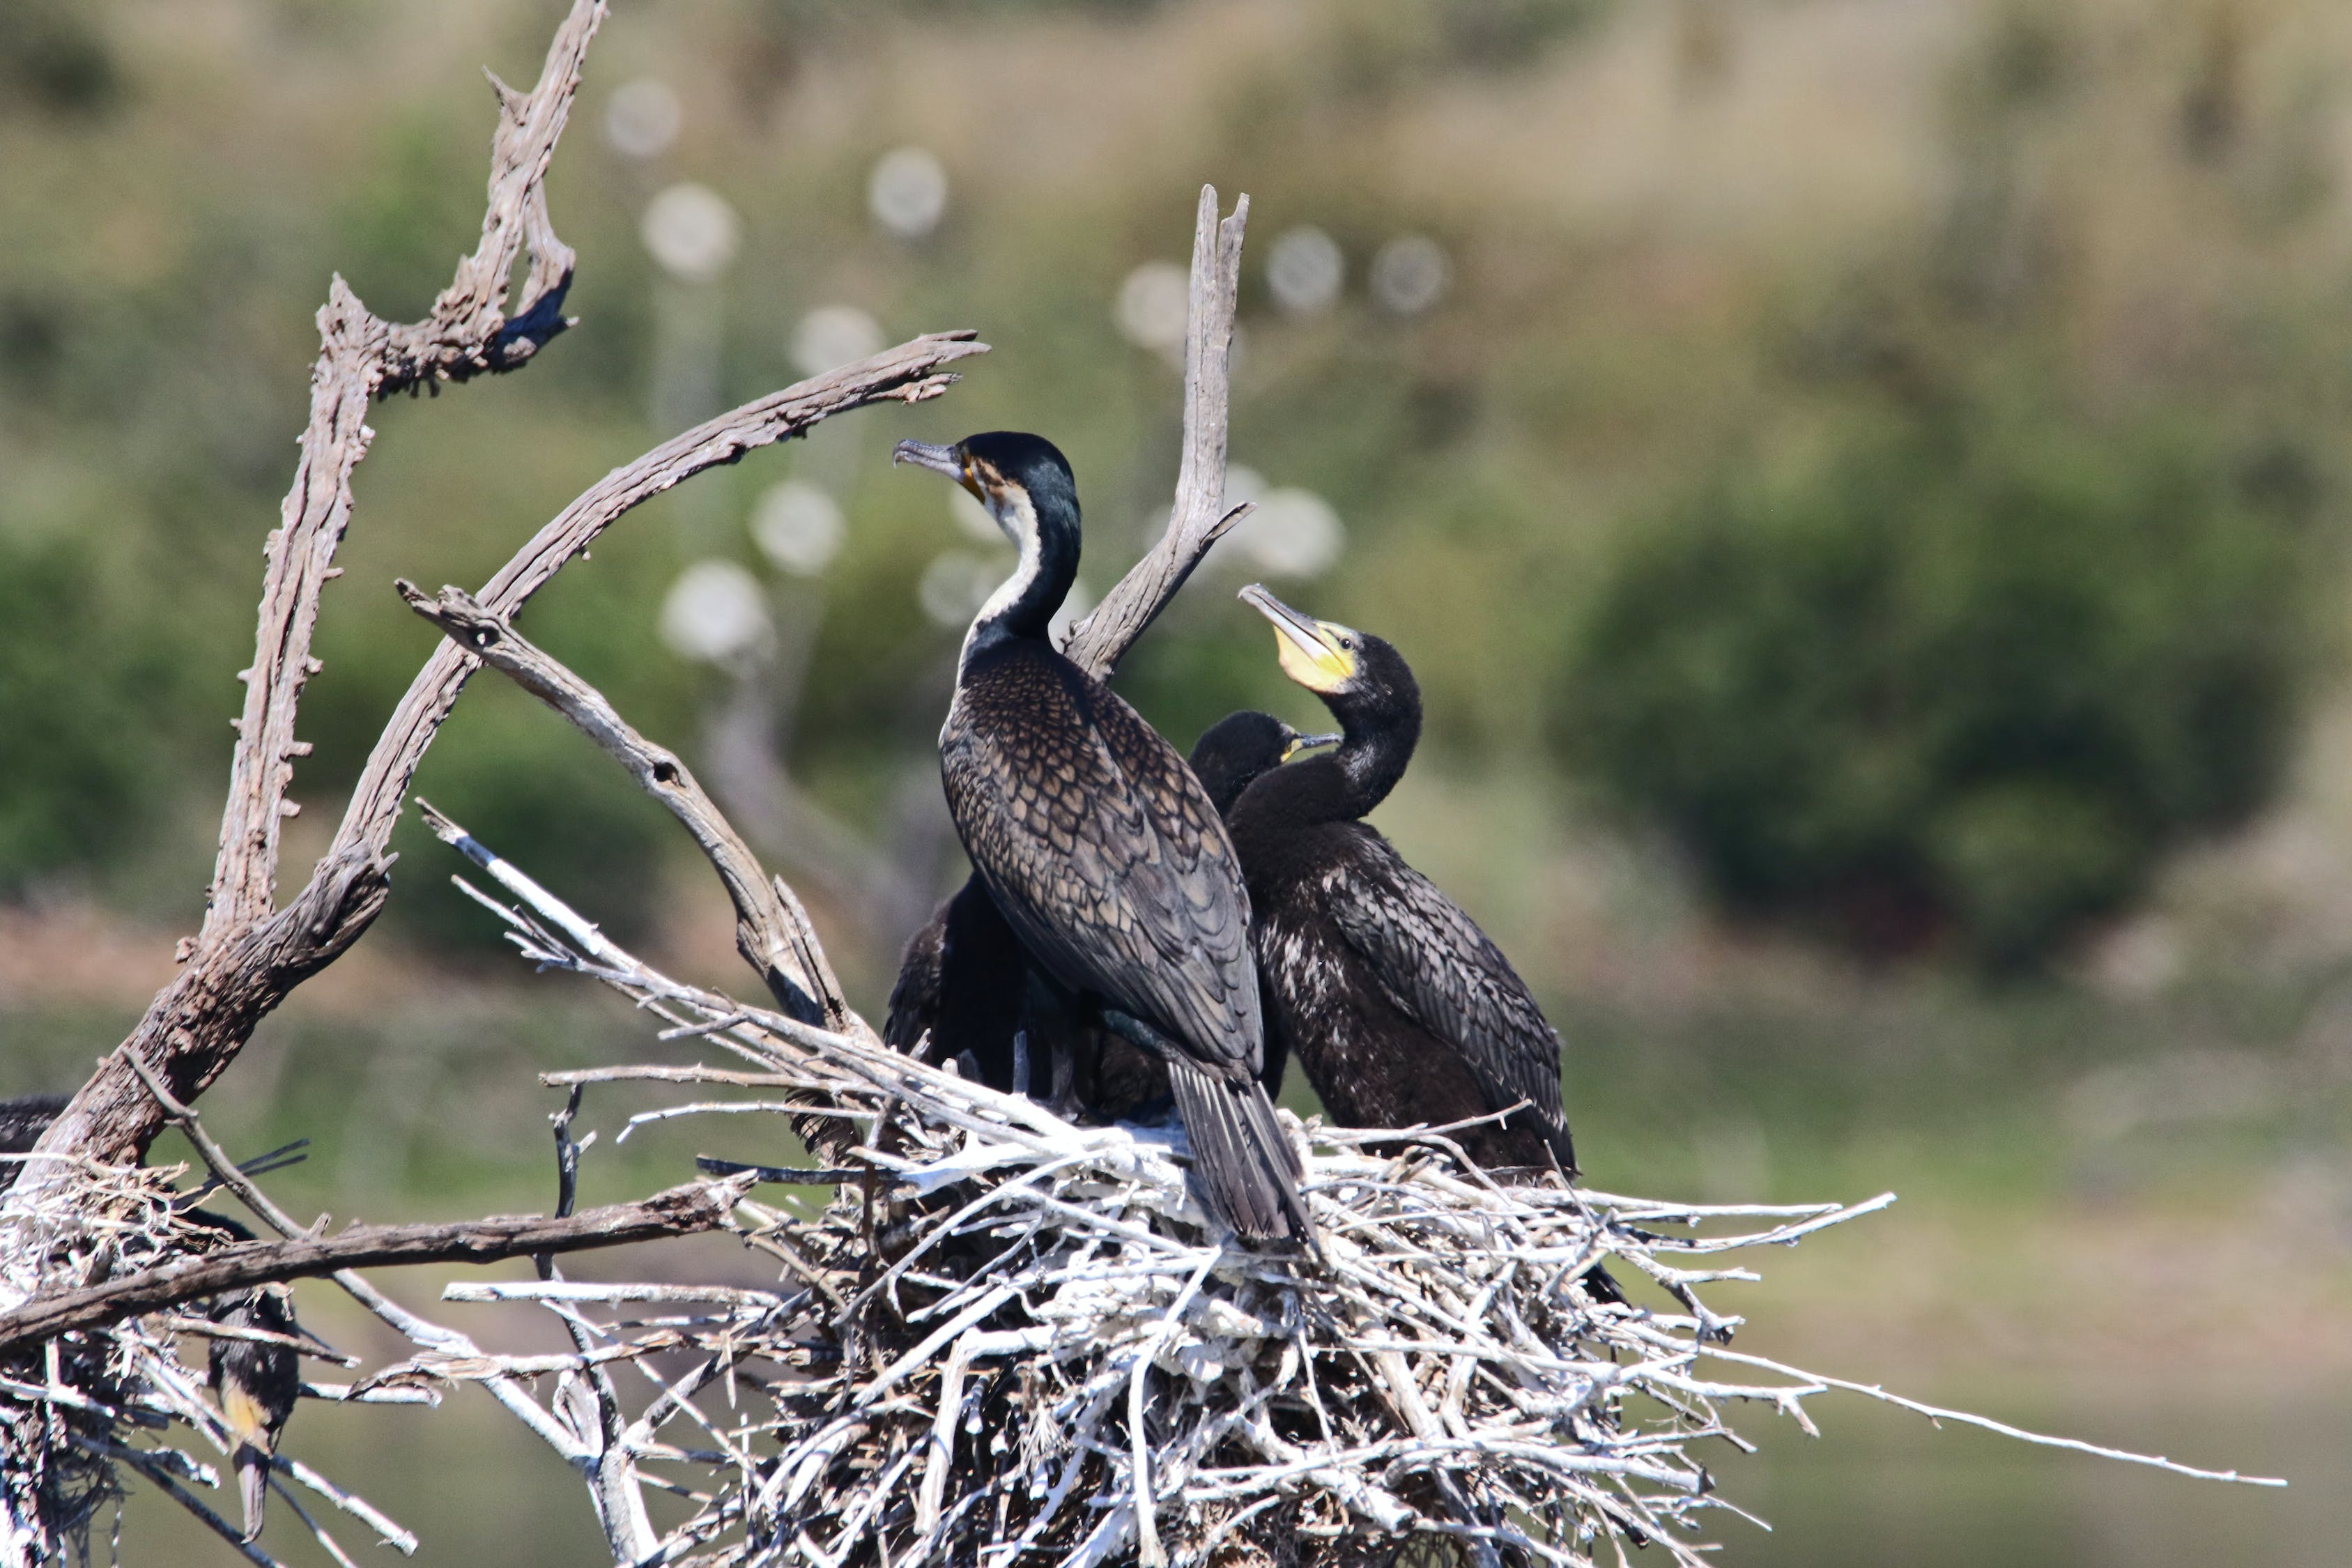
254 1382
961 980
23 1119
1397 1006
1099 846
1231 752
961 976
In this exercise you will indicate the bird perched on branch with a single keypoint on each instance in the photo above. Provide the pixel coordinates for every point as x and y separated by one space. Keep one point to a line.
1397 1006
1099 846
254 1382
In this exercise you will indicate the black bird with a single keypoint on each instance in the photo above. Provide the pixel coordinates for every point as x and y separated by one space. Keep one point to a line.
257 1383
1099 846
961 976
254 1382
22 1121
960 981
1230 756
1396 1004
1234 752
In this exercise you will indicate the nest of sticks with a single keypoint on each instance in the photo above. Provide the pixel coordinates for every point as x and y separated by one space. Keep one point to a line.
1011 1337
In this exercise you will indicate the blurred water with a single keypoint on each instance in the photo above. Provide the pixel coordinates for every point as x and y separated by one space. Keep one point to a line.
1879 1487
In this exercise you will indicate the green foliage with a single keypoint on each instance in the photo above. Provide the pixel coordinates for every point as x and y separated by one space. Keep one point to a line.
82 685
522 779
1970 676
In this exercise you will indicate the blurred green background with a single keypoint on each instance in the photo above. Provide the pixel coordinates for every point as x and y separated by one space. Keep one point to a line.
1862 484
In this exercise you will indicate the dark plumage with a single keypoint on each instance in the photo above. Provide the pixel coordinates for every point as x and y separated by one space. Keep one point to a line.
1234 752
1394 1002
961 980
254 1382
1099 847
22 1121
965 979
1231 756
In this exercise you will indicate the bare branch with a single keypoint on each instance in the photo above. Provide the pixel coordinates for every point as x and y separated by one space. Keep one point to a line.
765 930
361 358
1200 518
914 371
679 1211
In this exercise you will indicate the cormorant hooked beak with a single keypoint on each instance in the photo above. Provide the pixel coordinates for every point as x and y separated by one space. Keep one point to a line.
1294 742
948 461
1318 654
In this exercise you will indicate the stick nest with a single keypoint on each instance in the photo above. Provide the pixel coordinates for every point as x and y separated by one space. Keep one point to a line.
1011 1337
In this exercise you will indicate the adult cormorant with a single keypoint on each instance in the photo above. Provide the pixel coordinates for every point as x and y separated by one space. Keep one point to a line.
1399 1008
961 976
1099 846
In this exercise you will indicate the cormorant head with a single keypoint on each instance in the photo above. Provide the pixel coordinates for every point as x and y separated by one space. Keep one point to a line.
1023 479
1026 486
1234 751
1365 683
1354 672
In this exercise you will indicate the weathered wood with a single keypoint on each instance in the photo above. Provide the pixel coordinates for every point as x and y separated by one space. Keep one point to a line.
678 1211
1199 518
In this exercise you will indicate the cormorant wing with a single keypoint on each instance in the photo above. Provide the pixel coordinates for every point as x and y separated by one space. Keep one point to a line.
1105 854
1438 968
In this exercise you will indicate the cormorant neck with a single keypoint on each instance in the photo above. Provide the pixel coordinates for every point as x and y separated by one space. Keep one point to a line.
1347 784
1024 605
1376 743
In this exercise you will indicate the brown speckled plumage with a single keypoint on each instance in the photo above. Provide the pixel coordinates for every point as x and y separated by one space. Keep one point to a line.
1099 846
1107 858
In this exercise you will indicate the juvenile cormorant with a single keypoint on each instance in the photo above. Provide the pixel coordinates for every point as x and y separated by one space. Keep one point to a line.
1396 1004
1231 752
23 1119
1099 846
1230 756
961 980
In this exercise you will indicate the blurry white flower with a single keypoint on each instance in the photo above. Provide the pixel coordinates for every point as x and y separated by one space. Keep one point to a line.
1294 532
956 583
691 231
907 192
713 612
1410 273
798 526
1075 606
1152 306
973 517
1242 483
1305 270
642 118
832 336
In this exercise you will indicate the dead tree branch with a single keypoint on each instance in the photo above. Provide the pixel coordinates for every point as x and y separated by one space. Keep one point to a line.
678 1211
773 938
245 959
1200 518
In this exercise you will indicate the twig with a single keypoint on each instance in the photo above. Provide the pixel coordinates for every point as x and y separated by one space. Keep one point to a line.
679 1211
1200 518
763 931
